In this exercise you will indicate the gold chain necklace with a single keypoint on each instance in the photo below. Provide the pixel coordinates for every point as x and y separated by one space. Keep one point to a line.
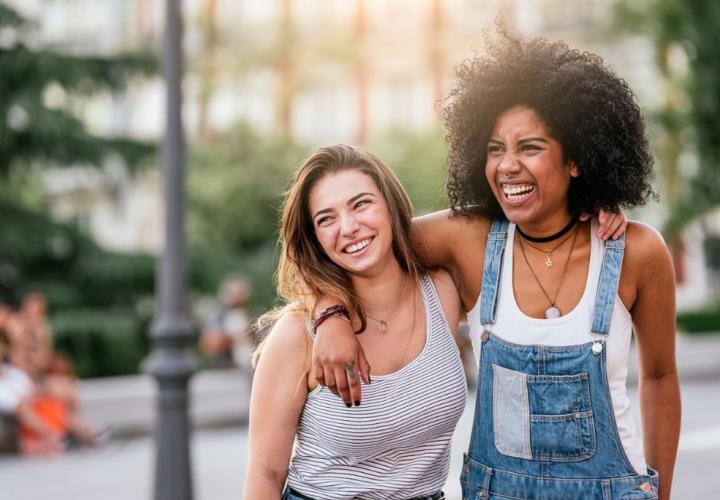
548 253
382 324
552 311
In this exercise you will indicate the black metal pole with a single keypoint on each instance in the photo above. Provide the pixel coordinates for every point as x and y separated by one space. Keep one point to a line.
172 361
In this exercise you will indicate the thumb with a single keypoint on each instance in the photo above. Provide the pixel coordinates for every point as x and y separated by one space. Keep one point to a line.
363 365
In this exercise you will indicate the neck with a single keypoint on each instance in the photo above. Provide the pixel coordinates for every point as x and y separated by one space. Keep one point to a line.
381 291
546 227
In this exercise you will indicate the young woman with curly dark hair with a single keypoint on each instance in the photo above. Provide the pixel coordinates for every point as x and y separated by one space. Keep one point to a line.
538 134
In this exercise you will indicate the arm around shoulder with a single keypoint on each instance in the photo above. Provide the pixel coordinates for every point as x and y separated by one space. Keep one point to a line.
279 390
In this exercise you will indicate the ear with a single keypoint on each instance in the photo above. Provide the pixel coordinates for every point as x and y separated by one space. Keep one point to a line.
574 170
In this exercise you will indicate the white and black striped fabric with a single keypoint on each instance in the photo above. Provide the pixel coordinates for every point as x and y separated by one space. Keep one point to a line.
396 444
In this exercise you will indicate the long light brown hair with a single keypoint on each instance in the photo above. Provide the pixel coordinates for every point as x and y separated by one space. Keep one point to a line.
305 272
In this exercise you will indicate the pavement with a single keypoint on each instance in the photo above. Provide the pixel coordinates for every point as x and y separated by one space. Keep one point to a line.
124 468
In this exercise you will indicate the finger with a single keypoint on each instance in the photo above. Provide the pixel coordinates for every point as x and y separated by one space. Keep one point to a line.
354 385
364 366
605 225
318 373
621 228
602 217
330 382
613 227
341 380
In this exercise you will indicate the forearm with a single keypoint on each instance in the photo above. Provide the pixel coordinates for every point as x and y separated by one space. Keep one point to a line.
262 482
660 405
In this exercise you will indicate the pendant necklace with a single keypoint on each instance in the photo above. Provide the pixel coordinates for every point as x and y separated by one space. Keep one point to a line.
552 311
382 324
548 253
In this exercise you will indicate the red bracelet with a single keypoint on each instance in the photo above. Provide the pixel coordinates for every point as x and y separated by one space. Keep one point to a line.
338 310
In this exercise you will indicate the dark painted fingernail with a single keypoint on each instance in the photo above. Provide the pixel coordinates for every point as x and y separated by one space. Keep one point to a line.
348 405
357 403
369 380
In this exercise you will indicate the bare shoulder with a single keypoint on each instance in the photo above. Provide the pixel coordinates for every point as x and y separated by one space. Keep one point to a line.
455 243
646 265
444 222
449 297
288 338
644 244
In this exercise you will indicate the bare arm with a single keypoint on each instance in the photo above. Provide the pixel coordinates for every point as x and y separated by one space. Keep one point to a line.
453 243
280 387
653 315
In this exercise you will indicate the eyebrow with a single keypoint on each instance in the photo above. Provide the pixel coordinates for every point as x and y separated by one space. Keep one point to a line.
349 202
523 141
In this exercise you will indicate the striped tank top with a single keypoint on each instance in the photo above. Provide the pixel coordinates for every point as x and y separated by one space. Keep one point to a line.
396 445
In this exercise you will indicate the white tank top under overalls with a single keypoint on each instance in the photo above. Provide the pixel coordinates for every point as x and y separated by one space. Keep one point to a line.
396 444
514 326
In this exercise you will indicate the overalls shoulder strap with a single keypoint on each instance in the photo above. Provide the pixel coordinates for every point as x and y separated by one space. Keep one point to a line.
608 285
491 270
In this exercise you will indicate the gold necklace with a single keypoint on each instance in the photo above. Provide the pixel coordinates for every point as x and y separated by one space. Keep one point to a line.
548 253
382 324
552 311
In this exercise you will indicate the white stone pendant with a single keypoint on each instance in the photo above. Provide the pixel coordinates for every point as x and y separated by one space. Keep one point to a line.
552 312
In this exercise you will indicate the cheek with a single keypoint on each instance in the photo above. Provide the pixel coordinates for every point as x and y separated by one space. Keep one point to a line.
325 239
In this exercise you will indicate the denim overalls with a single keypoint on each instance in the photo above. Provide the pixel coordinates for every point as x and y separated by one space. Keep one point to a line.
544 425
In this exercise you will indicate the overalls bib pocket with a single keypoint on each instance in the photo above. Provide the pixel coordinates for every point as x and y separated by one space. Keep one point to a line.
542 417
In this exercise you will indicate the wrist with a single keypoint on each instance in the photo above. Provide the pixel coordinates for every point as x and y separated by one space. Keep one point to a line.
334 311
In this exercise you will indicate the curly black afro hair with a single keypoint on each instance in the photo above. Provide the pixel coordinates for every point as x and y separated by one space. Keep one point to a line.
588 109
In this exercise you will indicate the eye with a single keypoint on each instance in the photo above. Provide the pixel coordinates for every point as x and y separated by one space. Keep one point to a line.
323 221
494 149
530 147
362 203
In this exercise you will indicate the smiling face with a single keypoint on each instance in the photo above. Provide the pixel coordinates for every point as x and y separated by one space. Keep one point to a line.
526 171
351 221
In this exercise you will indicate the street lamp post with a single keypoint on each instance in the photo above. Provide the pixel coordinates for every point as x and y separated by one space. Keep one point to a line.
172 361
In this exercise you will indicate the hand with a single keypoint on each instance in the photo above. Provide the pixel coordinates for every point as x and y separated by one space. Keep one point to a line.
338 360
612 224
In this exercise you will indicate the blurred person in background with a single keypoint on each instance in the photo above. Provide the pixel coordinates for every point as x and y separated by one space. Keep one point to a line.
55 391
226 340
17 393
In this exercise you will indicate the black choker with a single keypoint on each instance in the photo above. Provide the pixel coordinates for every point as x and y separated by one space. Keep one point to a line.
552 237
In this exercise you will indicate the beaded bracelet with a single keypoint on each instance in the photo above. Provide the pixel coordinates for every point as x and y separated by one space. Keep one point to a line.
338 310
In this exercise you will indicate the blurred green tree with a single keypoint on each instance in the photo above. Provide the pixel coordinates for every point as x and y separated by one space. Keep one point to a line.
685 32
41 90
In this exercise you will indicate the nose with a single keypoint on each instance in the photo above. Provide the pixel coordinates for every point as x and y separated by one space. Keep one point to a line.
348 225
508 164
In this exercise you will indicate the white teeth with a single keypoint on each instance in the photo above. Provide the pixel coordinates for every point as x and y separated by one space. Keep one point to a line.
518 191
357 246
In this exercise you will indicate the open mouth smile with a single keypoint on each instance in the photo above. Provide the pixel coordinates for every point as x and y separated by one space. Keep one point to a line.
517 192
357 247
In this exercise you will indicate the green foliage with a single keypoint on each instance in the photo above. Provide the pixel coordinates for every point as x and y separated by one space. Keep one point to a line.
101 342
36 128
235 186
690 26
419 160
705 321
